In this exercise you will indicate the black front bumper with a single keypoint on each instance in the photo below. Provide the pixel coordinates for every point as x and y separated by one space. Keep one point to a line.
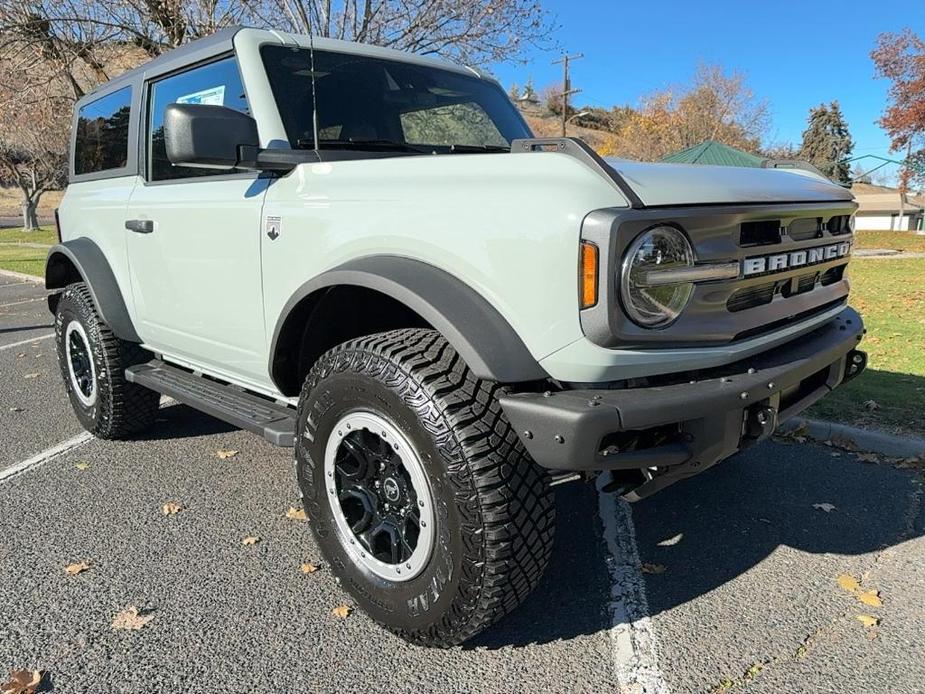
695 423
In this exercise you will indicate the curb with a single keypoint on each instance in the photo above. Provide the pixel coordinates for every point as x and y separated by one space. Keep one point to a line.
22 276
864 439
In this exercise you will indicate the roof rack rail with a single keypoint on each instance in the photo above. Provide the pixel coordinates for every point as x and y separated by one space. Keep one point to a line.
581 151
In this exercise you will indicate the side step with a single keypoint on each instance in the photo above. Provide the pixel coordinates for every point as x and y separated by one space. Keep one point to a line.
276 423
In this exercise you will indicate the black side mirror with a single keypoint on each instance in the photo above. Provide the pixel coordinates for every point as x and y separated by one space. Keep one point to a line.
208 135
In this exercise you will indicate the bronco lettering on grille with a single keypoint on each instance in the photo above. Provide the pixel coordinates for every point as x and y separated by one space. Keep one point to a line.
783 261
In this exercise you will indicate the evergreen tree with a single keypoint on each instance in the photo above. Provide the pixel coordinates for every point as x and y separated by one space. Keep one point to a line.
514 92
827 142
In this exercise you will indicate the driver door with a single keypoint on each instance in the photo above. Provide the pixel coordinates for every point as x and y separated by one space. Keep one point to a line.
193 238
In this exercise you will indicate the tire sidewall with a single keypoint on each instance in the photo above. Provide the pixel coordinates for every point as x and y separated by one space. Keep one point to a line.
426 599
71 309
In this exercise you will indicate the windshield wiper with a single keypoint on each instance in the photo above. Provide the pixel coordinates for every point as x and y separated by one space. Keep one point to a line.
477 149
364 144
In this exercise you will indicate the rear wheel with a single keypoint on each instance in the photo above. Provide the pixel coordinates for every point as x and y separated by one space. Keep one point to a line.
93 362
419 492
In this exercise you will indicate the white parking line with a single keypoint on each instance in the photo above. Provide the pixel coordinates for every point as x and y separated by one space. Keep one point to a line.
24 301
22 277
635 648
26 342
46 455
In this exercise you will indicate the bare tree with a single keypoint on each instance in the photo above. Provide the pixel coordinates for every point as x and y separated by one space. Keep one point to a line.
473 31
33 143
716 106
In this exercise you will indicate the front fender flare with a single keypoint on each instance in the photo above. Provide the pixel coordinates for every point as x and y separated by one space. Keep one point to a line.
477 331
90 262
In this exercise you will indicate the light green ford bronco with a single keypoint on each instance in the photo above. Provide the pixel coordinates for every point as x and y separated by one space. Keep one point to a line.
365 255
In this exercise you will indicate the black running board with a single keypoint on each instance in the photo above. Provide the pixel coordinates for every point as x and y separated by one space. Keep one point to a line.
275 422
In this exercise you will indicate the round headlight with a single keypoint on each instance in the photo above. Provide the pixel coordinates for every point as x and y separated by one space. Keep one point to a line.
650 296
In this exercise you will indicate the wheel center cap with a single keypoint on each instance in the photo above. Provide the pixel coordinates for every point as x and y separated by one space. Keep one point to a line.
391 489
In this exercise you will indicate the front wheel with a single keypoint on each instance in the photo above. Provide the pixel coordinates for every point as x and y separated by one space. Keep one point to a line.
419 492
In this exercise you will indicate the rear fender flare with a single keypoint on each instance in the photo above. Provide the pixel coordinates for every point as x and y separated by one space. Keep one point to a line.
90 262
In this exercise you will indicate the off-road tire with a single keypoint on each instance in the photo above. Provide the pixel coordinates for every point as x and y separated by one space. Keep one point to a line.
495 512
121 408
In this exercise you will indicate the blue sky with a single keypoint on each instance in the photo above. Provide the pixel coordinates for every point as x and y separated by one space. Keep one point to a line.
795 54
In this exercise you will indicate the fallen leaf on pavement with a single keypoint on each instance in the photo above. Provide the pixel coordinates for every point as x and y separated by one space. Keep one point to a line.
76 568
648 568
250 540
30 376
81 466
171 509
225 454
342 611
21 354
671 540
131 618
309 568
295 513
867 620
871 598
828 508
23 682
848 582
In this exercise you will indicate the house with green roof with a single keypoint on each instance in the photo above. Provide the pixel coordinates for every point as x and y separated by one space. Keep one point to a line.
713 153
717 154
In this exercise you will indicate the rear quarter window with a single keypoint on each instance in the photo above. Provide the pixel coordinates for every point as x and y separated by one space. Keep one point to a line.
101 141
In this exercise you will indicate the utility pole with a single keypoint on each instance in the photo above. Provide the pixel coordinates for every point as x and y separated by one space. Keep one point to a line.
567 90
902 187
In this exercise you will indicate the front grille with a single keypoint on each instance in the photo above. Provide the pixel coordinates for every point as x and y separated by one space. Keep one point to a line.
785 272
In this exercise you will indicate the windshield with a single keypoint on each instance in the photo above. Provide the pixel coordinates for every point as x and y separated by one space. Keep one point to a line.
375 104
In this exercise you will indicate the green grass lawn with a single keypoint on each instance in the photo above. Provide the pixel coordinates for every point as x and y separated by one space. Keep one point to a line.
20 258
890 294
46 236
897 240
30 261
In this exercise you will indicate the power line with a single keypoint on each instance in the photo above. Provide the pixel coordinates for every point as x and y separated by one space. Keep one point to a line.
567 90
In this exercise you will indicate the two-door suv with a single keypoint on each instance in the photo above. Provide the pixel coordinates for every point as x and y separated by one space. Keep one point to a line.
365 255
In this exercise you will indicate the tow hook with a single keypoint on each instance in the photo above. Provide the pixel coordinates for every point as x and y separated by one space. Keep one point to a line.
760 423
855 363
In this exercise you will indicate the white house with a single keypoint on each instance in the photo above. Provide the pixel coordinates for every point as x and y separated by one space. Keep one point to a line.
878 210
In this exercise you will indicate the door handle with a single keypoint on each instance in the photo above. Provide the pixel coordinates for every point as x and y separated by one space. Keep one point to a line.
140 226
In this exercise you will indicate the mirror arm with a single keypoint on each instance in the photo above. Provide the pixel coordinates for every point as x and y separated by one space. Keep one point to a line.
283 160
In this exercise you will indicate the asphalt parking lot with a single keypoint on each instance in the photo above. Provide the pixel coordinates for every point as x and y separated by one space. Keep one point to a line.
740 591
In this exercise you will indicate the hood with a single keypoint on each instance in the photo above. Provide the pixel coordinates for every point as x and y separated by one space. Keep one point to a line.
696 184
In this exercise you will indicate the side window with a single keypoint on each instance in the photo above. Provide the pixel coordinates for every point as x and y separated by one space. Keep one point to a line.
102 133
217 83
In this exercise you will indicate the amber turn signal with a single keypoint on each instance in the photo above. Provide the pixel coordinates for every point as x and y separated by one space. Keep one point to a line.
587 281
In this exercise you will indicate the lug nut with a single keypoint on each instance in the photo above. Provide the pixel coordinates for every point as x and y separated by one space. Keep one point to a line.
559 438
743 396
771 385
528 434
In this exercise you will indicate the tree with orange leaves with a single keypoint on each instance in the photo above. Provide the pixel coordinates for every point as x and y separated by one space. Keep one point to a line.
900 58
